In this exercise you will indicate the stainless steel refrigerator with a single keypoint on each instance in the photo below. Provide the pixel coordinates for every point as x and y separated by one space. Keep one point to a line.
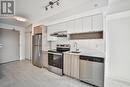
37 50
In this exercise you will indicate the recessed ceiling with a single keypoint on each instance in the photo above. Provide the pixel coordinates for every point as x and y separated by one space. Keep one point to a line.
34 11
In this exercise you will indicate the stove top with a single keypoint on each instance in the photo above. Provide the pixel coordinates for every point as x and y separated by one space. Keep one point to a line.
60 48
57 51
54 51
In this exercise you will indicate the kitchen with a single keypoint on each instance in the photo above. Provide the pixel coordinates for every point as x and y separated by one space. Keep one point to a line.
66 55
76 46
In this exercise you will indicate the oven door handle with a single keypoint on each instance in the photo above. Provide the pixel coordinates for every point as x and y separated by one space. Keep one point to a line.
55 53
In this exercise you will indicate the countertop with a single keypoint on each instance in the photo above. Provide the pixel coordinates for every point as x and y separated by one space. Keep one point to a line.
89 53
92 53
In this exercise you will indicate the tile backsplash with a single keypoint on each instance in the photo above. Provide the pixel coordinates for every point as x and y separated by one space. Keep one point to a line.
83 45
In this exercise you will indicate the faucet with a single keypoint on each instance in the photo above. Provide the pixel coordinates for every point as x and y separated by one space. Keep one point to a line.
76 46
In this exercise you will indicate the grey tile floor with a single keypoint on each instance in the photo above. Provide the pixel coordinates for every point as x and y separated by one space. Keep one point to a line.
24 74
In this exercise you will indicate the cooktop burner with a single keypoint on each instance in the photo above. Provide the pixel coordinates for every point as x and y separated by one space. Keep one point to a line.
60 48
55 51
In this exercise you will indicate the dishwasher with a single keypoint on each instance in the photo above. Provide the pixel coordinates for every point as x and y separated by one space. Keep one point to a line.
92 70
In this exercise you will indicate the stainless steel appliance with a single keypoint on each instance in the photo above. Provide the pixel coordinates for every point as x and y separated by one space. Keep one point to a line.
55 58
92 70
37 50
59 34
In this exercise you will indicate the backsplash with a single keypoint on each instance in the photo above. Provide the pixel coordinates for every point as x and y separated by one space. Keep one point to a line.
83 45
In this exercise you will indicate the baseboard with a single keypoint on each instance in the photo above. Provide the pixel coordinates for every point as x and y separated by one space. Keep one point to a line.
27 59
118 79
9 62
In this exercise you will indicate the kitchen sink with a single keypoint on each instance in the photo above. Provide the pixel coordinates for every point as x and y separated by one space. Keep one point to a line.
75 52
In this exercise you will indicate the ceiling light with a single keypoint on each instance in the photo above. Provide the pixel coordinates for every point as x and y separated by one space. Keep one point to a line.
20 19
51 3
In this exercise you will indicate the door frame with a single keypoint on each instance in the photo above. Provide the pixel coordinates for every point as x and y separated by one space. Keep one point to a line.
18 43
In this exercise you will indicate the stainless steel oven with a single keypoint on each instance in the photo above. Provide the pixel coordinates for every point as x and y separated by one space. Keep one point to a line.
55 59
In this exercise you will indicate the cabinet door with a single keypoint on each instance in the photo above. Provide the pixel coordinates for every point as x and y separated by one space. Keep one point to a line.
75 66
45 59
51 30
57 27
70 26
97 22
67 64
87 24
78 26
37 29
61 27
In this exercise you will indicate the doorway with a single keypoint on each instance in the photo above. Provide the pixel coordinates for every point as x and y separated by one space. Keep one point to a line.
28 42
9 45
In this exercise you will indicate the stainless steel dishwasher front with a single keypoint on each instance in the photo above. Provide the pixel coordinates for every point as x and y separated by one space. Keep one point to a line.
92 70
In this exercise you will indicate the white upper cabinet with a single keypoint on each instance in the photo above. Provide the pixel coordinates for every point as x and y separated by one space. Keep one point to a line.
78 25
59 27
74 26
56 28
70 26
50 30
97 22
62 27
87 24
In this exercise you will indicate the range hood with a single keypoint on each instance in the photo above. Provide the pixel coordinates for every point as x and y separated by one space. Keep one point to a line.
59 34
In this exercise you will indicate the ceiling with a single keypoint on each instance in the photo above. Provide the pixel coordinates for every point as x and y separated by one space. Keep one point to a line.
34 11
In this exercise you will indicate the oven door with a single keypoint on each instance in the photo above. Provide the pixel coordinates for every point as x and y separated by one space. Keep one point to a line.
55 59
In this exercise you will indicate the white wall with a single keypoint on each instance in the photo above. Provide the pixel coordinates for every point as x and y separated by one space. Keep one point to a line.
117 44
22 37
44 39
28 42
118 48
116 6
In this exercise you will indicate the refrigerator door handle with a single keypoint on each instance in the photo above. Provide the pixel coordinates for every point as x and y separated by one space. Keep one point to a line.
39 46
1 45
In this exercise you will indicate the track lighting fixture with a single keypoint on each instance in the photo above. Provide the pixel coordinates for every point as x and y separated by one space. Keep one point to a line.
51 4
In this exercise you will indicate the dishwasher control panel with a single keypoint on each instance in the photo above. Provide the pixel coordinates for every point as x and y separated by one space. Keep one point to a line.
93 59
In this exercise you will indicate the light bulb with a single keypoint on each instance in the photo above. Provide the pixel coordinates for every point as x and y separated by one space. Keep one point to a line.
20 19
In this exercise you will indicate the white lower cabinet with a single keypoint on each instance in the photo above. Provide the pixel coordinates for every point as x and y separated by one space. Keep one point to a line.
71 65
45 59
67 63
75 66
